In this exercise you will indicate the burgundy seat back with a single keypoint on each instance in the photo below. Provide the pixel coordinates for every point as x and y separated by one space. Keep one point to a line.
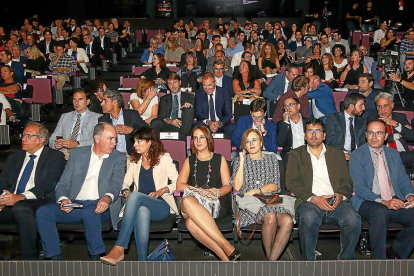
177 150
42 90
410 114
151 34
138 35
338 98
126 97
223 147
130 83
139 70
174 68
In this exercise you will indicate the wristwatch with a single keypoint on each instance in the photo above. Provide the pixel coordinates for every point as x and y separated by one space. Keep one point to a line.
23 196
397 124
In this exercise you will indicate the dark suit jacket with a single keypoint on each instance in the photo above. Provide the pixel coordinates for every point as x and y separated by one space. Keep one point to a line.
222 104
18 70
131 119
406 133
293 46
42 47
49 168
362 173
227 83
299 173
97 41
276 87
245 123
284 135
336 128
166 104
110 180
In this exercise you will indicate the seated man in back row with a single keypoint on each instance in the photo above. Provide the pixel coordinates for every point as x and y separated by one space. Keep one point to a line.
381 187
93 178
318 176
213 107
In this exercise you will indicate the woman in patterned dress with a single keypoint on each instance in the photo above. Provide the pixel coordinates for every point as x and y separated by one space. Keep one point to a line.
256 173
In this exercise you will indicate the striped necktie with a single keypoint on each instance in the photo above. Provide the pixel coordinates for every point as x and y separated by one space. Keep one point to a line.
75 131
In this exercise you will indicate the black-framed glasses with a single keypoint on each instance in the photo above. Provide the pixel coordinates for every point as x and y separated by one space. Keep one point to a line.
289 105
28 136
372 133
257 118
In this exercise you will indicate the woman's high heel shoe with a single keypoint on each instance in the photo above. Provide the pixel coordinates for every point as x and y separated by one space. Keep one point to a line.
110 261
234 255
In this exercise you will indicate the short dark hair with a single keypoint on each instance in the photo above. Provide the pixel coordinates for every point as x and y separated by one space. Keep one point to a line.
214 37
81 90
411 59
290 66
258 105
309 65
315 122
369 77
353 99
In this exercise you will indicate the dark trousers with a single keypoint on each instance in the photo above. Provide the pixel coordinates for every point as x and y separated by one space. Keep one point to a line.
187 118
407 159
189 81
48 215
310 219
226 128
95 60
379 217
23 215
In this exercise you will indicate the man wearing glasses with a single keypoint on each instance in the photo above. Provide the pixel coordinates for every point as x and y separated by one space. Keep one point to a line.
222 80
318 176
383 193
149 53
28 182
256 120
237 57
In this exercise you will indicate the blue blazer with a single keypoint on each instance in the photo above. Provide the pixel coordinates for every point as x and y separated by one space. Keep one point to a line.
111 177
362 172
222 104
276 87
293 46
324 99
228 85
146 54
246 122
18 70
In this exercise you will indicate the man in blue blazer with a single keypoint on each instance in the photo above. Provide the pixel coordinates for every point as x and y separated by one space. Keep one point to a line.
381 187
93 177
338 126
280 84
256 120
222 80
6 58
322 99
213 107
293 45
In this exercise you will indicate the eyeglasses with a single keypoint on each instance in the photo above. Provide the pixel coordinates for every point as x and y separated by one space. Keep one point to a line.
257 117
316 131
251 141
248 57
218 69
29 136
378 133
289 105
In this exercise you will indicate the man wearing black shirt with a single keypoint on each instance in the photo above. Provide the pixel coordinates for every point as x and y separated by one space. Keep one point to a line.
368 16
353 17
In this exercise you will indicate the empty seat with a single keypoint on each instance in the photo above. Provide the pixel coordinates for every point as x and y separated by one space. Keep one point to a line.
126 97
223 147
338 98
138 70
129 82
177 149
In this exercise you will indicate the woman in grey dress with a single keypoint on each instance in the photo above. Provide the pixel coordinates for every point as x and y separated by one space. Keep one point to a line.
255 173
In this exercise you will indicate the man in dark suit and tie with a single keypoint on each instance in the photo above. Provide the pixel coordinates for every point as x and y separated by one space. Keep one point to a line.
318 176
222 80
93 178
92 50
291 130
28 181
381 188
213 107
256 120
346 130
124 120
76 127
104 44
176 109
398 129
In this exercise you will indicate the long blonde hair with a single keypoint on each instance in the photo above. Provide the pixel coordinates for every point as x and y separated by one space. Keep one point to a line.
35 52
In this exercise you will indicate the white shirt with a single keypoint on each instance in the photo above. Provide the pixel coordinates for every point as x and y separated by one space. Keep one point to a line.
30 184
89 189
6 104
315 111
102 42
214 102
236 59
219 81
321 184
378 35
286 85
298 135
347 145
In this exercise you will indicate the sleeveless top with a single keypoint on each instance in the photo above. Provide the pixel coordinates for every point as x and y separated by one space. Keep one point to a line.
353 75
215 180
243 86
268 63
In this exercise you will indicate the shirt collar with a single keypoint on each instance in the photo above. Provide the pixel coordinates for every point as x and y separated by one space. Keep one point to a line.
347 115
37 153
120 114
322 152
371 149
94 155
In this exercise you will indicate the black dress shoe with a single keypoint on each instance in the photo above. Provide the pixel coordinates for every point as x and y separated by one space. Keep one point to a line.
391 254
234 255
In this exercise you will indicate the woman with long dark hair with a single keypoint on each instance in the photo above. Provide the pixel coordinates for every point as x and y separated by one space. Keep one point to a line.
245 86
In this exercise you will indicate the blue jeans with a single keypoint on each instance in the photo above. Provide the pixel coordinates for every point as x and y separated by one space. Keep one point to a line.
48 215
140 210
310 219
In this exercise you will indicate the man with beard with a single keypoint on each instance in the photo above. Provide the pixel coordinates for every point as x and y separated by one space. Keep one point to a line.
346 130
365 83
407 81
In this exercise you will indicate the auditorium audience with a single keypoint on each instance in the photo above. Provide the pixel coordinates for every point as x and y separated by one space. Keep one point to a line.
245 85
173 52
353 70
158 72
365 87
268 60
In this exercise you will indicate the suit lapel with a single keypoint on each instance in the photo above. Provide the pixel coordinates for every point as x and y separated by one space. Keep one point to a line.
19 167
307 167
342 123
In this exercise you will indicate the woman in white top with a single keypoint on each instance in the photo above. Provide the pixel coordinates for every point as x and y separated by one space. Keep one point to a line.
145 100
79 54
339 61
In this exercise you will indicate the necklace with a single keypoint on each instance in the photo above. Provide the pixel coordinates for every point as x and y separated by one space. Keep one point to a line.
208 173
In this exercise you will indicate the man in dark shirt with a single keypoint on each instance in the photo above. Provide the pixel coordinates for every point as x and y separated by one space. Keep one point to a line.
368 17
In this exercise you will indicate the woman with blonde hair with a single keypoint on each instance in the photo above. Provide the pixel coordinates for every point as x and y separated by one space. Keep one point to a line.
145 100
36 61
268 60
173 52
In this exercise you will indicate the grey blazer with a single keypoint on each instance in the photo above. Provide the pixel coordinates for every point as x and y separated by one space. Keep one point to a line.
64 128
111 177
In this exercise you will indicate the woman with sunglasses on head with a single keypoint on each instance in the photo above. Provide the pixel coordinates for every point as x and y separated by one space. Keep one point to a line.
152 198
209 173
257 173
